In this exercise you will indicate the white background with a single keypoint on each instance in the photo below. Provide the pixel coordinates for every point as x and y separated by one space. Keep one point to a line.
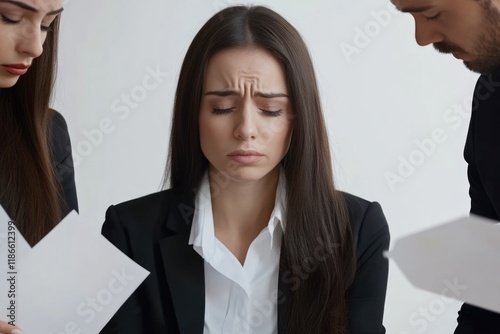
378 102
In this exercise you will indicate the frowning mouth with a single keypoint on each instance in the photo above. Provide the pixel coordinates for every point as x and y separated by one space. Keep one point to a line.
245 156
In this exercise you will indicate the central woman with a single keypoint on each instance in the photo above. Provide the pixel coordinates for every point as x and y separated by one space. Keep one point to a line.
252 236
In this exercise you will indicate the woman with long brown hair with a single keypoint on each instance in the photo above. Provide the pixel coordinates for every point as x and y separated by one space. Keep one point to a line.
37 186
251 236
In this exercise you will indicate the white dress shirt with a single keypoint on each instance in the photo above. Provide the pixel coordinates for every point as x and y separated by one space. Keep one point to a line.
239 299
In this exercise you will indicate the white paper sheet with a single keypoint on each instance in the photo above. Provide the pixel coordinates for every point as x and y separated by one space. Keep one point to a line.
459 260
72 281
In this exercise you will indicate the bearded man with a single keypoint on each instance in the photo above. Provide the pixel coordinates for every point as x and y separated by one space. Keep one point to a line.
470 31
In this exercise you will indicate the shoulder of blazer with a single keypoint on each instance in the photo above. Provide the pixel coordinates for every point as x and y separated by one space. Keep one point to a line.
365 217
165 208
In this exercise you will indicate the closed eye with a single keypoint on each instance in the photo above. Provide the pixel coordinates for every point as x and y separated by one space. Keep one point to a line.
220 111
276 113
46 28
434 17
5 19
270 113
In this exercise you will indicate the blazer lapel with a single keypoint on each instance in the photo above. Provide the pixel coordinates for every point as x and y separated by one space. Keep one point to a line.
185 272
184 269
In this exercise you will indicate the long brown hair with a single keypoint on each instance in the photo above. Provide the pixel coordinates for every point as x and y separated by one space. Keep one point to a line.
29 190
316 212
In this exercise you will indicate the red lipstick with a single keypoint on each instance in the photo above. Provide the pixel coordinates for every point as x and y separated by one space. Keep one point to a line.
16 69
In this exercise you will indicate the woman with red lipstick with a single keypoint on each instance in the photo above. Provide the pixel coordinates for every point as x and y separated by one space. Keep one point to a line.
37 185
252 236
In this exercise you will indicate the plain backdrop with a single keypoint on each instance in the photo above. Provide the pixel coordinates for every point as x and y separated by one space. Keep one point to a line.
397 113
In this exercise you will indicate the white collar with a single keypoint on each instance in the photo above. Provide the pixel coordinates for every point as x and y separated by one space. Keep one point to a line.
202 235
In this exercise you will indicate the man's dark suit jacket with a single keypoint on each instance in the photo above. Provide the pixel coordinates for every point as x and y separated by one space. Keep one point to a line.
154 231
482 153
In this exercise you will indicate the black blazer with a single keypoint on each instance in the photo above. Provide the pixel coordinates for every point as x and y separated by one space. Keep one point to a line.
62 161
154 231
482 153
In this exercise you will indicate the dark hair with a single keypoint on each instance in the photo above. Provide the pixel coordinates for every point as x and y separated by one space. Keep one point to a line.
29 190
316 213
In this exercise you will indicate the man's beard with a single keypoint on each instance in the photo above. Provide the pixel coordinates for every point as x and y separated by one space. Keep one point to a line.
487 47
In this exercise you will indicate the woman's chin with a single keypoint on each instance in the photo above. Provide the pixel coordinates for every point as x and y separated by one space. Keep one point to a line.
8 82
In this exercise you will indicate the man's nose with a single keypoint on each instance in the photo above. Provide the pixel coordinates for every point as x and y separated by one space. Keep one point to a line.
426 32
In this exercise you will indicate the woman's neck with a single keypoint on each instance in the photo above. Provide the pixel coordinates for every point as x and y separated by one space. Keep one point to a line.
241 210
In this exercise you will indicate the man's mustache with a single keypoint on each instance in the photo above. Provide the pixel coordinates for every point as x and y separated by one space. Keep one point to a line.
444 47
